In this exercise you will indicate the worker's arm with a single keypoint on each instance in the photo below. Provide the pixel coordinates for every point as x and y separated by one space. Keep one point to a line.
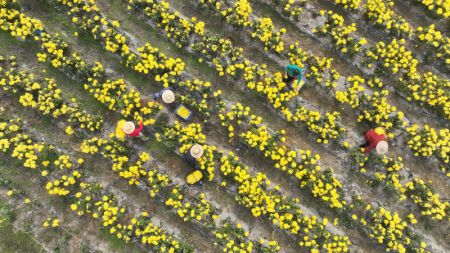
141 126
370 147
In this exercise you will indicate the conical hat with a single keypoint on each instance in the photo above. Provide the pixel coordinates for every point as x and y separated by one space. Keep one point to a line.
128 127
168 96
196 150
382 147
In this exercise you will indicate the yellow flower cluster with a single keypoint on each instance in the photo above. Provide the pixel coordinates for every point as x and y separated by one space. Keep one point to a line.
427 141
254 194
264 30
384 16
90 201
233 238
44 95
111 93
326 127
394 57
274 89
18 25
353 95
349 4
301 163
439 7
435 41
341 35
371 108
318 67
127 167
150 59
423 196
198 209
239 14
183 137
51 222
103 207
388 174
20 145
271 86
87 16
206 102
431 90
61 186
222 53
177 28
63 162
292 8
390 230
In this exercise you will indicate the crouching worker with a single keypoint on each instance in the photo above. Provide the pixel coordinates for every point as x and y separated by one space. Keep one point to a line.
375 139
167 96
293 76
125 128
195 152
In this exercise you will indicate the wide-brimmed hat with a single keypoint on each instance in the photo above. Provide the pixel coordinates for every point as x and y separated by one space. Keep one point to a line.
382 147
128 127
196 150
168 96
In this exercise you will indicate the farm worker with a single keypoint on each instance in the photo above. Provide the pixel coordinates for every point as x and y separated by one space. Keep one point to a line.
195 152
293 72
375 139
167 96
125 128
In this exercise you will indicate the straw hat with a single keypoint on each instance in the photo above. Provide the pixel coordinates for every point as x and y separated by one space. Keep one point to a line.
128 127
382 147
168 96
196 151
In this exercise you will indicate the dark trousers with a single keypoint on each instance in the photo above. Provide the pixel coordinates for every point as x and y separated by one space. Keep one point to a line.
366 144
289 80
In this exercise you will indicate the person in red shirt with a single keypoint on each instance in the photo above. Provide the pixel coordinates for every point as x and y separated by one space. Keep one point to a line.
375 139
130 129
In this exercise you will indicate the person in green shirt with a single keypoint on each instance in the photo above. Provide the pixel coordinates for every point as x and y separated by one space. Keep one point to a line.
293 72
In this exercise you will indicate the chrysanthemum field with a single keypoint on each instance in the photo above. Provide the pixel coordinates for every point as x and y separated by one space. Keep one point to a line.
282 171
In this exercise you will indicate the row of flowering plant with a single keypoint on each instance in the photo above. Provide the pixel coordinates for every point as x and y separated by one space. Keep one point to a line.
45 96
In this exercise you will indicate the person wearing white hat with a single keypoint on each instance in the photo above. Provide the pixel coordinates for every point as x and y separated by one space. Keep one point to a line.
130 129
382 147
168 96
196 151
375 139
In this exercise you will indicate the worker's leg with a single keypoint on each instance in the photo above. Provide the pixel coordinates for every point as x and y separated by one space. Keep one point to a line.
365 145
289 80
143 137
